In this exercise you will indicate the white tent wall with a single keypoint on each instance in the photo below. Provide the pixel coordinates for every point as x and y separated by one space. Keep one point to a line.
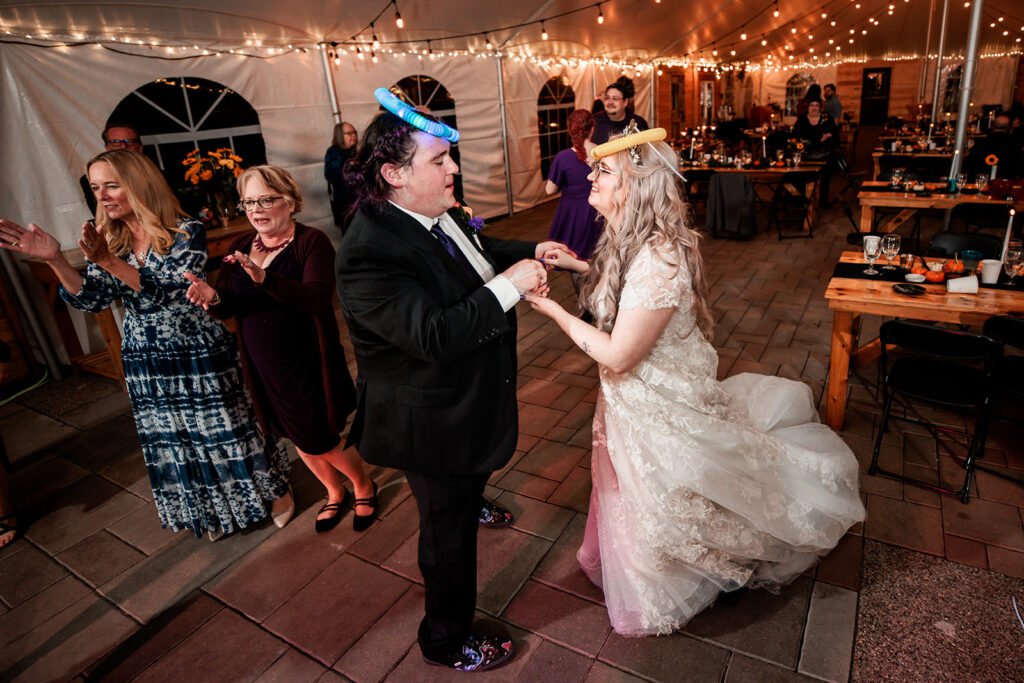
56 101
523 82
472 83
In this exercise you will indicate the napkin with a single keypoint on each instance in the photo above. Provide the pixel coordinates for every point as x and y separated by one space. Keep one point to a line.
963 285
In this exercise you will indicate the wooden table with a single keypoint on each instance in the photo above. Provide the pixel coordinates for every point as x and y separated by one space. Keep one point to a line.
910 203
850 298
772 174
876 157
108 362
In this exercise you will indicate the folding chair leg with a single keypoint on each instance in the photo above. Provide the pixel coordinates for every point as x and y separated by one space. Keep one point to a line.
873 468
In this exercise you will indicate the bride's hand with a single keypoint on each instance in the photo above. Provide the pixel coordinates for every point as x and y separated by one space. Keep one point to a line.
30 241
543 304
559 258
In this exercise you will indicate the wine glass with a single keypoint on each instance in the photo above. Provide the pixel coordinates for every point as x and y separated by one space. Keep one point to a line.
780 154
872 250
982 181
890 247
1013 263
897 176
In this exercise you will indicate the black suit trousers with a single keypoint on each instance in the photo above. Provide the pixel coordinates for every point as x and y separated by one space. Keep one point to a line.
449 510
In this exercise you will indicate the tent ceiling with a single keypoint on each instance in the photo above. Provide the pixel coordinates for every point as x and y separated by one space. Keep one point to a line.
633 30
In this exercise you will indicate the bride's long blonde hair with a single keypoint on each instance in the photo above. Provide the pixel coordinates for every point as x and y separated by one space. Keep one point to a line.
150 197
653 212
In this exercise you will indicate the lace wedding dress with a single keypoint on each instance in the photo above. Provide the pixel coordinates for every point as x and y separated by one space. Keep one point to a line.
701 486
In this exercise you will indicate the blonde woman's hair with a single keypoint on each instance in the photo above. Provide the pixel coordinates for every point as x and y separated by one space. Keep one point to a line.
277 179
652 212
150 198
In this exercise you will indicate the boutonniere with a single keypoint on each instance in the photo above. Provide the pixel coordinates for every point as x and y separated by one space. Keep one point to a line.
466 214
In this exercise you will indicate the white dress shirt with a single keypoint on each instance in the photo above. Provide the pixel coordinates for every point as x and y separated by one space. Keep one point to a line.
499 285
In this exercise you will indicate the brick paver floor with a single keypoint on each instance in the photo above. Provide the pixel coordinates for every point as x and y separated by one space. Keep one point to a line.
97 590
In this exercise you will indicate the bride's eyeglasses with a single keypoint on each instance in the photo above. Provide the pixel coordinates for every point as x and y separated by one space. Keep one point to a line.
598 167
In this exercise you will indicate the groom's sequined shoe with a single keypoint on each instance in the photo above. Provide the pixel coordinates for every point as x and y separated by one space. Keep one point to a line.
480 653
494 517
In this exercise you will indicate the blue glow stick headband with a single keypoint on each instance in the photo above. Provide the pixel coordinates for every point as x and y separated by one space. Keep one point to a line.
387 99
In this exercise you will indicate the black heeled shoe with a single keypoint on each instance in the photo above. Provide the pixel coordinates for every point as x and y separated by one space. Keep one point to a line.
363 522
328 523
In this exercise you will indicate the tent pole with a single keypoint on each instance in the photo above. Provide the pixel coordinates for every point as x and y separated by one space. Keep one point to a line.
967 87
923 79
504 135
35 327
593 84
938 63
329 80
654 90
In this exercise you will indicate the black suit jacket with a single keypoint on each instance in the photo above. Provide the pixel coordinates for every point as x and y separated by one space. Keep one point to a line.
436 388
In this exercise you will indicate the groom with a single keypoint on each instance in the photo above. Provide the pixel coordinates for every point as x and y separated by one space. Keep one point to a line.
434 332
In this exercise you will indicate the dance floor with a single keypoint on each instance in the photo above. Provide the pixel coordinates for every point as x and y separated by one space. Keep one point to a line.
921 591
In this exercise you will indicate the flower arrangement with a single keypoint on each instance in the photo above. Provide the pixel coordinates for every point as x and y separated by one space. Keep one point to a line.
991 160
210 180
217 169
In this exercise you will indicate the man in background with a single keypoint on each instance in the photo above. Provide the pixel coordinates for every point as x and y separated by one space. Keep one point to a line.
833 107
617 113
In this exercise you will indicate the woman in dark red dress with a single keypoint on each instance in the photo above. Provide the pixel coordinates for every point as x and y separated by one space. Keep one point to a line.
278 283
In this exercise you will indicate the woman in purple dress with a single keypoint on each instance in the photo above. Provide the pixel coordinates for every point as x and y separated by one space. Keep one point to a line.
575 223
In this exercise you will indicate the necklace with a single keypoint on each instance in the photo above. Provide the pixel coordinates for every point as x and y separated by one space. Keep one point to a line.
259 245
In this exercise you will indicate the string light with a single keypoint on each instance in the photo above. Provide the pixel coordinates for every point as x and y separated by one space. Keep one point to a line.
490 45
543 32
775 13
600 15
399 22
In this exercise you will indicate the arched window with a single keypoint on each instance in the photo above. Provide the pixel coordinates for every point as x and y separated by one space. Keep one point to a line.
176 115
554 104
429 93
796 88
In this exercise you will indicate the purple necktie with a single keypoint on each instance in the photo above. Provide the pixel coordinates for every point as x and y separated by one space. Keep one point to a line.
453 250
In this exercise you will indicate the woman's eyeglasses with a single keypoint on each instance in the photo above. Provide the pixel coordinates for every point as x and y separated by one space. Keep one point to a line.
264 202
599 168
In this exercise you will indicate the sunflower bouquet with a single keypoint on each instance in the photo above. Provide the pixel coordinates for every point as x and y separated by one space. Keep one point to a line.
211 178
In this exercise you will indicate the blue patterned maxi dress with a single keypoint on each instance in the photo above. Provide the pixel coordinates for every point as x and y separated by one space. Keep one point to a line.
208 462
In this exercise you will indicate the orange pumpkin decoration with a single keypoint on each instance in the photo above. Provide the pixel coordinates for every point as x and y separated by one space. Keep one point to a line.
953 267
918 269
934 276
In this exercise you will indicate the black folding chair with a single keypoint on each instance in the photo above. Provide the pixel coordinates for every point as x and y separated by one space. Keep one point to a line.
696 185
947 244
941 367
791 203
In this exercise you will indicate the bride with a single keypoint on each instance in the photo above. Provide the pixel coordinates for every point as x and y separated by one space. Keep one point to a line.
699 486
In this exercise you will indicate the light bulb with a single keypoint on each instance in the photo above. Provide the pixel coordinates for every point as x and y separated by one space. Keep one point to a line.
543 32
743 36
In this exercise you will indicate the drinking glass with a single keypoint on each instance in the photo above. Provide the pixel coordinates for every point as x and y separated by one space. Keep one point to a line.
897 176
982 181
872 250
1013 263
796 158
780 154
890 247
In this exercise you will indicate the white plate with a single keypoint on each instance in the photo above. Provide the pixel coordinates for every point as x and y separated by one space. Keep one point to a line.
914 277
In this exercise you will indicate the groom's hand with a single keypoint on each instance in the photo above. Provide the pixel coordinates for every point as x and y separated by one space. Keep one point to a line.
526 275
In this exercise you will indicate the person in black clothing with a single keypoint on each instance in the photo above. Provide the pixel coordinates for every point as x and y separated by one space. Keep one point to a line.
618 98
341 151
818 131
